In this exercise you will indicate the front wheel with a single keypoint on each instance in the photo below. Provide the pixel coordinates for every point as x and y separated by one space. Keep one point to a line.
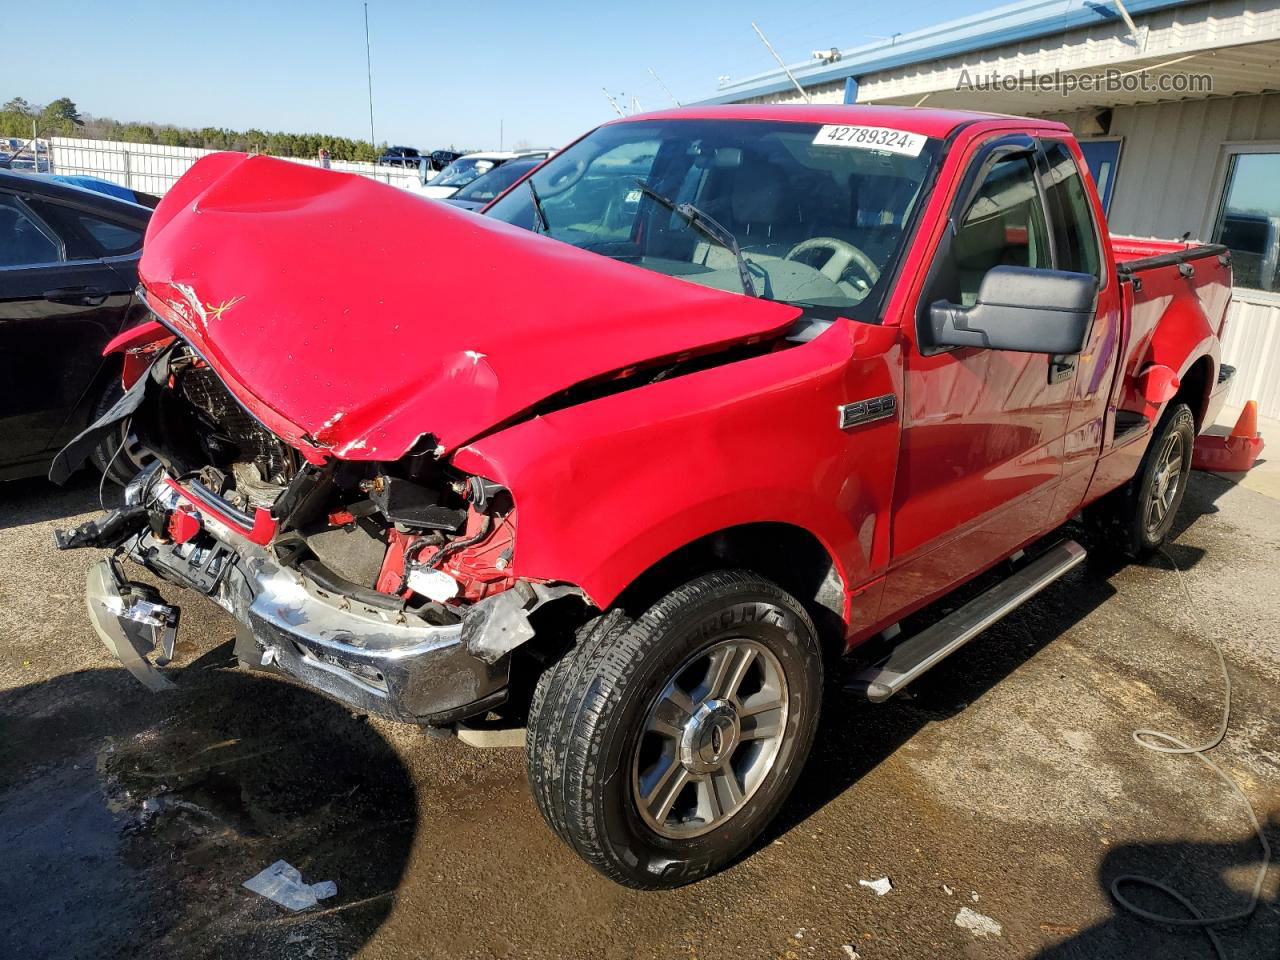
120 455
659 749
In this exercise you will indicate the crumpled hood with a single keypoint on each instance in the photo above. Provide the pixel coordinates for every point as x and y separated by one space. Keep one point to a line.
353 318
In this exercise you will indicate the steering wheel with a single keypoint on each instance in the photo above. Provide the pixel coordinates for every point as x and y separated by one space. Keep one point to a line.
843 253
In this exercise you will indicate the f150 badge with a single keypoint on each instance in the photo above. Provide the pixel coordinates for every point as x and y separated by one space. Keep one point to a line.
866 411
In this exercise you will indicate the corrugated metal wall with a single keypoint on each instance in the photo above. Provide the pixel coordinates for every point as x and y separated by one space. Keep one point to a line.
1252 345
1170 158
1168 185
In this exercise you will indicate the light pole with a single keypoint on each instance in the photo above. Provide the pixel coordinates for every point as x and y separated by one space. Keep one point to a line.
368 62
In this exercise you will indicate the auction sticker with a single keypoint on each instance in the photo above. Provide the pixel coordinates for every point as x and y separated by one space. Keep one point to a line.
871 138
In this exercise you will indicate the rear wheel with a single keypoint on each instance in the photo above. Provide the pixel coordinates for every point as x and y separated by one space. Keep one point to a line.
659 749
1137 518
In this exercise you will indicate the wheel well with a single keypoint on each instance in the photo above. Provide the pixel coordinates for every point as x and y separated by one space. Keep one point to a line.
1194 389
790 556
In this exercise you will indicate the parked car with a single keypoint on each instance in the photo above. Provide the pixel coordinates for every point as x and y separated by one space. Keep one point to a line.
753 386
465 169
480 192
109 187
68 267
406 157
18 154
442 158
433 163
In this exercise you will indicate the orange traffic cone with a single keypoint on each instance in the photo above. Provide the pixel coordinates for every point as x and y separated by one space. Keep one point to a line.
1247 424
1232 454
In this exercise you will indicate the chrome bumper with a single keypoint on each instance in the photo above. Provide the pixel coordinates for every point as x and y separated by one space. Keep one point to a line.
378 660
381 660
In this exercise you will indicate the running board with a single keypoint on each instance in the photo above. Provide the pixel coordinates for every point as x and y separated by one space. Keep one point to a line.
916 655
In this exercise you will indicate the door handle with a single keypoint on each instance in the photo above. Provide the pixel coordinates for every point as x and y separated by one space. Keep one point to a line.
1061 367
77 296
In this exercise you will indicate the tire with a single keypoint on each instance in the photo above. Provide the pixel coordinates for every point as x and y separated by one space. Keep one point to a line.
1136 519
605 731
119 455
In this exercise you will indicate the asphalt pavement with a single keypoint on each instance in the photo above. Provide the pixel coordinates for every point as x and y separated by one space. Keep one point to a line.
1000 797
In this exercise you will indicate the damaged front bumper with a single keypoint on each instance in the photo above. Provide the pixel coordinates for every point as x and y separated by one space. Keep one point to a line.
381 659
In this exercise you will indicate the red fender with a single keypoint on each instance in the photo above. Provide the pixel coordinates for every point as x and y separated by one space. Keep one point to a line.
137 344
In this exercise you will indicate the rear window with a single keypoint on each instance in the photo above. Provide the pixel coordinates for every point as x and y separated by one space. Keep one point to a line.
116 239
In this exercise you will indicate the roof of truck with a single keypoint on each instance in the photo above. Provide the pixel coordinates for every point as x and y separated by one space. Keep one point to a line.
928 121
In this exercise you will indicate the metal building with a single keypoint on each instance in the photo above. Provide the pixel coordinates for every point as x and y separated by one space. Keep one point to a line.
1176 103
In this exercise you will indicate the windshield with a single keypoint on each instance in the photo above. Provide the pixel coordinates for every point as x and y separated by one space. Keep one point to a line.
495 181
462 171
819 213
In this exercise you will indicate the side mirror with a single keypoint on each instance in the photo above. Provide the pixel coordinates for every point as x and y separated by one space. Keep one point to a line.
1023 309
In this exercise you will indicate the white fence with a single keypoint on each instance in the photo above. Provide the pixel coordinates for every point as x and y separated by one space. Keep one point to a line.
153 168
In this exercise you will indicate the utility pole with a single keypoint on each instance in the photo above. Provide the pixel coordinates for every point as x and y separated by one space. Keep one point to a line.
368 63
501 134
664 87
785 69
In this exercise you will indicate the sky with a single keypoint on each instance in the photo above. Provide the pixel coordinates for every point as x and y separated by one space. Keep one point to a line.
460 74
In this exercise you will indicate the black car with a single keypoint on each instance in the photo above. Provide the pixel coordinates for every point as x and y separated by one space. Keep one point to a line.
442 158
406 157
480 192
68 268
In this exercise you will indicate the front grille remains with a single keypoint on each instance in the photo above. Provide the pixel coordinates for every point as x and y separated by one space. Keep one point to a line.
200 387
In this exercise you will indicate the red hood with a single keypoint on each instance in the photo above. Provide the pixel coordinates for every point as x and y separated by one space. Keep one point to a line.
352 317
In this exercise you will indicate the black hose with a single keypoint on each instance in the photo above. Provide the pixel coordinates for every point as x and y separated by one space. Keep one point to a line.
451 548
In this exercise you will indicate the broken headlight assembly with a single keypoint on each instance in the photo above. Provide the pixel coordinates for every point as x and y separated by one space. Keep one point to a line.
414 532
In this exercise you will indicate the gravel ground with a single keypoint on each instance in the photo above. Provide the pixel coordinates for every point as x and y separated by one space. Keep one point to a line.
1000 798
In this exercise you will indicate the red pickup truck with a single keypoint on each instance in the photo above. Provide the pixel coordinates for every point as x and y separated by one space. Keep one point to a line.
648 452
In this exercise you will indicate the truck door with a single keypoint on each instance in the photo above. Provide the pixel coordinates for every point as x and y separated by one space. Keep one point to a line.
982 430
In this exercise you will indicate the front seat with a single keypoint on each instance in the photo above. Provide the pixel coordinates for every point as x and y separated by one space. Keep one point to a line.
762 212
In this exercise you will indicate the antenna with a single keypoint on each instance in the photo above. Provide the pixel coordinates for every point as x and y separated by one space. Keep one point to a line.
785 69
612 102
664 87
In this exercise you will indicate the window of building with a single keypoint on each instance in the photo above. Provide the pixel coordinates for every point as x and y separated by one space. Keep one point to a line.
1249 219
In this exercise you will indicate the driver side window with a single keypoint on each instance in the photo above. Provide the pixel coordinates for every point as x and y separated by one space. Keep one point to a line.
1004 225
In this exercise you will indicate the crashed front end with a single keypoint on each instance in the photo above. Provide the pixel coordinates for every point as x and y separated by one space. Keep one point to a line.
385 585
323 348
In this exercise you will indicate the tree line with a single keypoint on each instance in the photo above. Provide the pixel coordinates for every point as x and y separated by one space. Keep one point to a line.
62 118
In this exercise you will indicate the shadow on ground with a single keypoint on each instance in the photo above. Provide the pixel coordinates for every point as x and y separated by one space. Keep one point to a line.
129 820
1201 872
36 500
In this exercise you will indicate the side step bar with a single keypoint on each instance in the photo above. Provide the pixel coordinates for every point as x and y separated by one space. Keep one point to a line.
914 656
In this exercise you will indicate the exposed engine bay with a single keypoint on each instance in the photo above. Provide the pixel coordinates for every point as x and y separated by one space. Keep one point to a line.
415 531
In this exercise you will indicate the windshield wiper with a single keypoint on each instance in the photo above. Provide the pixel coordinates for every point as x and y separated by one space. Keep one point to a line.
709 226
540 215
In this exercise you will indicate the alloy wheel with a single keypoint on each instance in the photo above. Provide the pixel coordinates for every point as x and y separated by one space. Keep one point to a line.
710 738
